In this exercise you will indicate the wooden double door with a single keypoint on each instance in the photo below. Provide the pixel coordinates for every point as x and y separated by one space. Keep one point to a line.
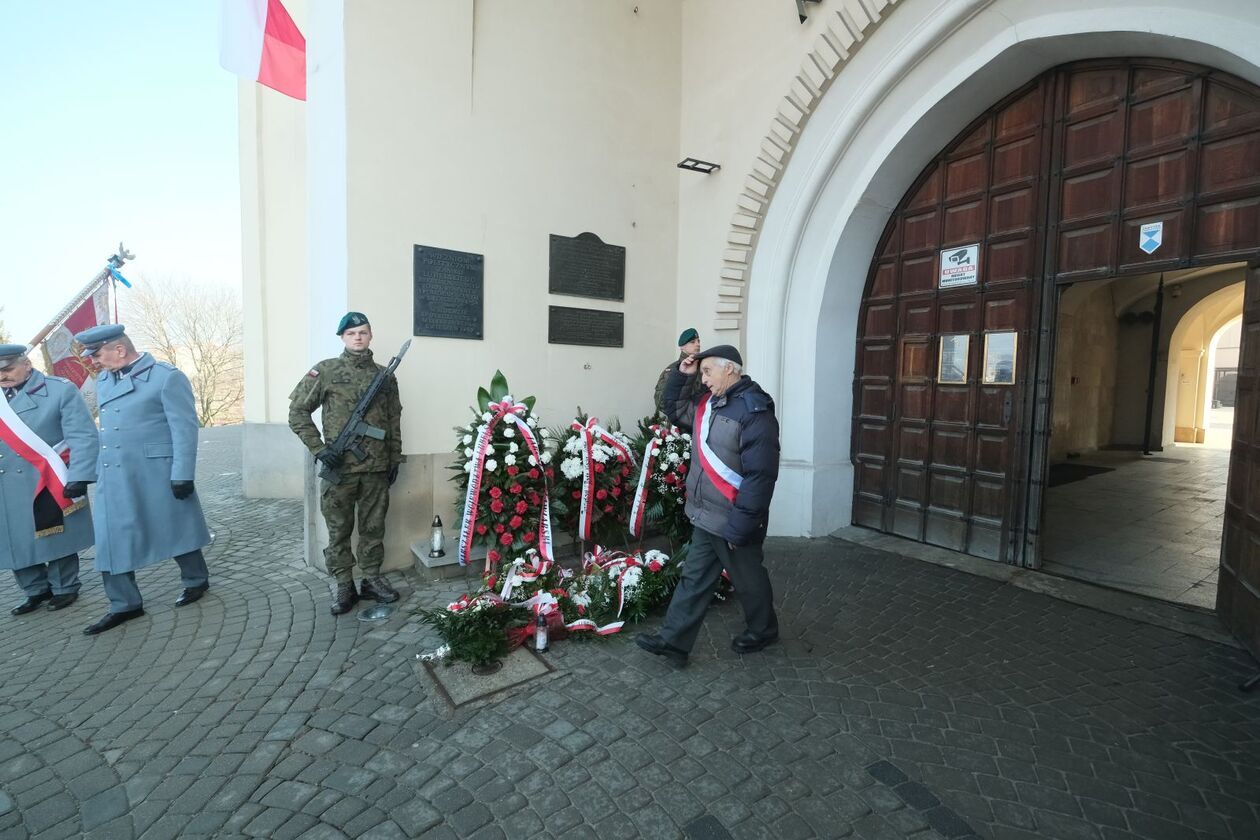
1093 170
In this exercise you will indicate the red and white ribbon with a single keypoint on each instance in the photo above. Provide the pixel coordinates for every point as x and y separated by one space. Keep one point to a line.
725 479
506 412
545 603
616 564
530 570
589 432
638 510
49 463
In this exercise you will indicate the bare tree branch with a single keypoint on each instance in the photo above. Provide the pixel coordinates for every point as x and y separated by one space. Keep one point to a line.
199 329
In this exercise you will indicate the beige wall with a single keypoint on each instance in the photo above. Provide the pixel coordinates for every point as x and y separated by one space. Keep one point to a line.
1085 371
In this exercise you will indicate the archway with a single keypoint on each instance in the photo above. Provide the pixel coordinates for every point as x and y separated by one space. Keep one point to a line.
856 158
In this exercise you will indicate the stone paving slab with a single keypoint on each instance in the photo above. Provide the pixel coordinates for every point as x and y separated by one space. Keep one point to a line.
906 700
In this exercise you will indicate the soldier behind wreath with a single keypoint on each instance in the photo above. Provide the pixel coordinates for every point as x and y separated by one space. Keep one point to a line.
335 385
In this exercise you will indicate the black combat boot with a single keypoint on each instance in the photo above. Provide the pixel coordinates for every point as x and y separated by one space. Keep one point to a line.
378 589
344 597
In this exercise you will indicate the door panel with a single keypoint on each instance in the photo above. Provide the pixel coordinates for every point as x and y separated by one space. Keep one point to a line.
1238 592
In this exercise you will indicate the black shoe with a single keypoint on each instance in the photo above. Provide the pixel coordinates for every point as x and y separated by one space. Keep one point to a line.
60 602
31 603
378 589
191 595
345 596
656 645
748 643
112 620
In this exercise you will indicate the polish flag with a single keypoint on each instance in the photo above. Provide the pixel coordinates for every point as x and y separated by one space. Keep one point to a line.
59 347
258 40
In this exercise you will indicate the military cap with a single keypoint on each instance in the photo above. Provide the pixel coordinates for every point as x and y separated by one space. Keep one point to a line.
688 334
10 354
97 337
351 320
721 351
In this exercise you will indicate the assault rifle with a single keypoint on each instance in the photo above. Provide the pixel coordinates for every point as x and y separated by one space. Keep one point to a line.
352 434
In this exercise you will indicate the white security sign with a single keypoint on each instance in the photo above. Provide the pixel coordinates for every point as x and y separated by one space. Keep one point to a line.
1151 236
960 266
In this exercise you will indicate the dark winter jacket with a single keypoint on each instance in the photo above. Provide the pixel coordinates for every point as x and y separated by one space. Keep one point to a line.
744 435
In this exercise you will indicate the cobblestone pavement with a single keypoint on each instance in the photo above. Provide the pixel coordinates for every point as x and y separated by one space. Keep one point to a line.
906 700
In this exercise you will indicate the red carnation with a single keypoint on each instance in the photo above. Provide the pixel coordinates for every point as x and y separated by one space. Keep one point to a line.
515 489
498 527
534 473
513 470
515 522
481 530
495 492
625 471
505 539
601 494
616 491
492 581
682 468
534 499
493 556
521 507
528 537
581 610
669 478
496 505
551 473
607 508
599 468
577 494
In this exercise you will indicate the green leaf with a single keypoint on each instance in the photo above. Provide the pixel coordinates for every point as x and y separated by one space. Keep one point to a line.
498 386
529 403
483 399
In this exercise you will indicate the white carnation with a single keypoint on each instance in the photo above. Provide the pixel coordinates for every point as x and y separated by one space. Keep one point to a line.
531 422
664 467
509 432
600 454
508 398
467 439
486 416
673 458
468 468
546 457
533 462
468 451
512 447
491 465
571 467
510 460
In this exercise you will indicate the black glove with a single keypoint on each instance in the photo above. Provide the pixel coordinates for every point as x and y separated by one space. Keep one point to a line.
75 490
182 489
393 474
328 458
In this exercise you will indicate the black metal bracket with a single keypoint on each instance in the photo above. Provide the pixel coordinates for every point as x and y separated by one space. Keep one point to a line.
697 165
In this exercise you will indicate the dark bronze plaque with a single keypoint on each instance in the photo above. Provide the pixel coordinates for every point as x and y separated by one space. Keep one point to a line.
589 327
448 293
584 266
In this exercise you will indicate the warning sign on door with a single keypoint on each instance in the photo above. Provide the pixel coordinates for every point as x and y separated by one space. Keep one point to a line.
960 266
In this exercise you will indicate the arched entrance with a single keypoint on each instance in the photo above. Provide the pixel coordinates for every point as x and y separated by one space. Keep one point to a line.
1094 170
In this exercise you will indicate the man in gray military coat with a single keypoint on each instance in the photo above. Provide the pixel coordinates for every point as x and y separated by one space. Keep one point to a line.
48 448
146 503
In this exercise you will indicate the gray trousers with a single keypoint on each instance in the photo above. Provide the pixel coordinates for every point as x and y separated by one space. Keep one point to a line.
124 595
60 575
709 554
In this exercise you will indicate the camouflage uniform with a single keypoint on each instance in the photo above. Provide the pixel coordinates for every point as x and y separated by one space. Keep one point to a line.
694 387
335 385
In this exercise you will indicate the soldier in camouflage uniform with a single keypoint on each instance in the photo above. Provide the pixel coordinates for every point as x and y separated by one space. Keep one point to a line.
688 345
335 385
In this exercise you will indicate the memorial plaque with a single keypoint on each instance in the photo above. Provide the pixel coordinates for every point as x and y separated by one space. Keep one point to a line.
588 327
448 293
584 266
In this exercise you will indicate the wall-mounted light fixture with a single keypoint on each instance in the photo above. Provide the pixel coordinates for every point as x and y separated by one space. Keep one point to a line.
800 8
701 166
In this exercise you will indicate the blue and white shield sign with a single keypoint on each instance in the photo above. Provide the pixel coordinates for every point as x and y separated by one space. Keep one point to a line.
1151 237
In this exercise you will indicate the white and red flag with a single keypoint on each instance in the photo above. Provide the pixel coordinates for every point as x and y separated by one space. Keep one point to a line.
59 349
259 41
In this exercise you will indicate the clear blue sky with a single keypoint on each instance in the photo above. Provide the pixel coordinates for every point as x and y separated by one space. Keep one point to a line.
120 124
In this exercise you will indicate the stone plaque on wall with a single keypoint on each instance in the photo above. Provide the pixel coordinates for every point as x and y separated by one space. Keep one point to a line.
584 266
588 327
448 293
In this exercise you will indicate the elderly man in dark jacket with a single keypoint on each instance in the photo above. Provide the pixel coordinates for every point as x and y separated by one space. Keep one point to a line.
734 466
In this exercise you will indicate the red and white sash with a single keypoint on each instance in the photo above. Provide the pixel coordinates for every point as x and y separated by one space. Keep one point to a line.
49 462
725 479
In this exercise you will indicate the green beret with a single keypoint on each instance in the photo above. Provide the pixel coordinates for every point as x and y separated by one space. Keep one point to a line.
688 334
351 320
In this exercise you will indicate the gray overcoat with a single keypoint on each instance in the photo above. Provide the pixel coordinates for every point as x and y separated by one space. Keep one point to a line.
148 439
53 409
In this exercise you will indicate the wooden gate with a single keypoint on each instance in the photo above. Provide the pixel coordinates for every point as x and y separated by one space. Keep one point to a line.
1060 182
